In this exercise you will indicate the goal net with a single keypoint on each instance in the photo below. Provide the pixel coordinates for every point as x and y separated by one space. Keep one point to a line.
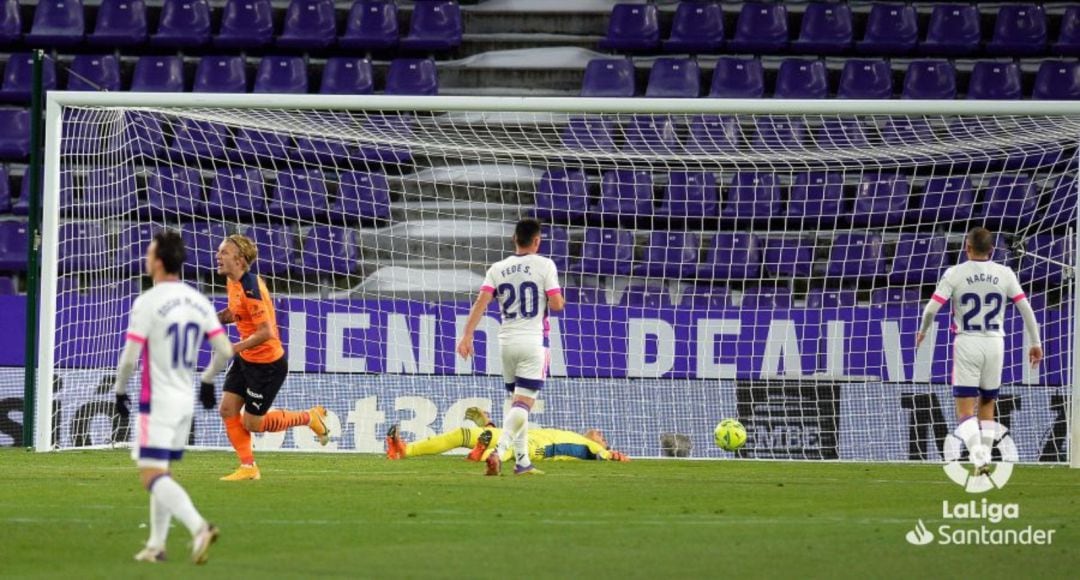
759 260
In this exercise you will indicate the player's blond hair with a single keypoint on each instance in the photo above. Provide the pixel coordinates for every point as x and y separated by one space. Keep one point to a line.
247 247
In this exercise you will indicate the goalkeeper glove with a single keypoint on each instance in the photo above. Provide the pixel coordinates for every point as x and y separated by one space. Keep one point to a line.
123 406
207 396
617 456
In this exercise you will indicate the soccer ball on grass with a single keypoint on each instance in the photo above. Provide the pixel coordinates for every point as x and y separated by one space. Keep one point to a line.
730 435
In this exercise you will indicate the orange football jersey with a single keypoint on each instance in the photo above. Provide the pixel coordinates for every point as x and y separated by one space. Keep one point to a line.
249 301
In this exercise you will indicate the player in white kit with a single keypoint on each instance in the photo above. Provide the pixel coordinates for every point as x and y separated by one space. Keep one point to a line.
168 325
527 287
979 290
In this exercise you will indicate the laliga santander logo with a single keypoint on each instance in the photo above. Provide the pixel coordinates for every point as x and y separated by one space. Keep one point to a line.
975 437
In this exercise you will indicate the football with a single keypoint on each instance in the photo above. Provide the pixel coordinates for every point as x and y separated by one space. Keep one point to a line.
730 435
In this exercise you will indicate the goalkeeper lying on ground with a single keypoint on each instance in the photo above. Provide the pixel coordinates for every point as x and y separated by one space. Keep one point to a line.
544 444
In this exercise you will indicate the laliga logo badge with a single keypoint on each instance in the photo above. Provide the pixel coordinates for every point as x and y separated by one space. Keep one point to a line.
969 435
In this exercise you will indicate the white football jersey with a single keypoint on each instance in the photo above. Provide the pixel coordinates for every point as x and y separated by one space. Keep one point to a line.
979 291
521 285
171 320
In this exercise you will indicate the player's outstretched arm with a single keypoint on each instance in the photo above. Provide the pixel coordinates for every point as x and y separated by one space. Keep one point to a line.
465 345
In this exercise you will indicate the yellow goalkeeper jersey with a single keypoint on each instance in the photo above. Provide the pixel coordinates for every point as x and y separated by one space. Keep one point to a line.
557 444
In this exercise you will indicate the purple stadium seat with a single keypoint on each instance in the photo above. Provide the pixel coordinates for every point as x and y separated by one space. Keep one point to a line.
556 245
815 200
802 79
865 79
8 286
649 296
347 75
842 133
10 23
608 77
632 28
563 194
83 246
300 195
246 24
789 257
412 76
698 27
14 134
5 190
237 193
326 151
1039 266
309 25
995 80
947 199
625 193
651 134
670 255
113 190
826 29
362 196
930 79
606 251
881 200
1057 80
674 77
1011 200
714 134
765 298
221 74
883 297
57 24
761 28
732 256
831 298
14 245
706 297
201 140
737 78
954 30
277 246
253 146
120 23
690 194
435 26
19 74
371 25
919 259
158 74
587 295
908 131
21 204
856 256
282 74
589 134
94 73
130 253
1019 30
1068 42
752 199
183 23
202 241
174 194
779 133
145 135
890 29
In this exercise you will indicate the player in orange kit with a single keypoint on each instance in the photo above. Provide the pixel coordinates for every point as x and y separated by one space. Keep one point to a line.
259 366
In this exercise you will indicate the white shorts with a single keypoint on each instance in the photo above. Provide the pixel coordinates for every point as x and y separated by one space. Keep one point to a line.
160 438
525 366
977 361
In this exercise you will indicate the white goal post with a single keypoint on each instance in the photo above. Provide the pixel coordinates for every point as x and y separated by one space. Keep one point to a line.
758 259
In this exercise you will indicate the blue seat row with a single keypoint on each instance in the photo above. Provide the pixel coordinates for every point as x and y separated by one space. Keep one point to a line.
814 200
244 24
342 75
799 78
953 29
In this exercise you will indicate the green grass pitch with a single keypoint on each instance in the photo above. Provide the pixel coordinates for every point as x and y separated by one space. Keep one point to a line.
82 515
